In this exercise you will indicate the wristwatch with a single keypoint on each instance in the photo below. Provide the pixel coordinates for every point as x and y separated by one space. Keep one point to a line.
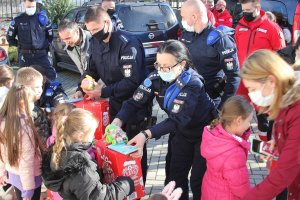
146 135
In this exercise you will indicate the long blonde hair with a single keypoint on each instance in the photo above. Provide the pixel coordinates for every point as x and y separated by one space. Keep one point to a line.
263 63
234 107
78 121
12 112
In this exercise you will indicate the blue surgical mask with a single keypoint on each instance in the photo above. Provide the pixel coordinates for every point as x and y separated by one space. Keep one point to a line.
167 76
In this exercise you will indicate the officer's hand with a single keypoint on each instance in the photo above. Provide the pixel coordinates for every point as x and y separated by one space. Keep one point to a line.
78 94
139 140
117 122
96 92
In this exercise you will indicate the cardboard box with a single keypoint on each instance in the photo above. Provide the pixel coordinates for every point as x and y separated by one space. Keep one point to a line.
115 164
100 109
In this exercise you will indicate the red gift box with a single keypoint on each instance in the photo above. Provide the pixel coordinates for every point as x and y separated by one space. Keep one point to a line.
100 109
115 164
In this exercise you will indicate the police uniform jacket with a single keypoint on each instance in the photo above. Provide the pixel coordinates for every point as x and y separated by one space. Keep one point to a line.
120 65
32 32
189 112
214 61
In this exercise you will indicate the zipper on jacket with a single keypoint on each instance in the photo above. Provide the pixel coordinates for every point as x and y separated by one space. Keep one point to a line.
249 44
254 38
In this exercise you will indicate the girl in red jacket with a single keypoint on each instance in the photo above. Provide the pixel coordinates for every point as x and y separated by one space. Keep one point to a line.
225 148
271 82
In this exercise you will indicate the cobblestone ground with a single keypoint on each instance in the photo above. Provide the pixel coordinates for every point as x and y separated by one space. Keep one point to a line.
157 149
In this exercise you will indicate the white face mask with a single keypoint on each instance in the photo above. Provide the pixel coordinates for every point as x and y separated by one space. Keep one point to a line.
260 100
30 11
187 27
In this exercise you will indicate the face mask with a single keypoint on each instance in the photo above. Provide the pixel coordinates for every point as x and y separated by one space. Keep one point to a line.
101 35
187 27
248 16
111 12
167 76
220 10
30 11
260 100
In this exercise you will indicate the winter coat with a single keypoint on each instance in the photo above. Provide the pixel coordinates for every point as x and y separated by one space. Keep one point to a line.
224 18
226 176
251 36
287 136
77 177
30 159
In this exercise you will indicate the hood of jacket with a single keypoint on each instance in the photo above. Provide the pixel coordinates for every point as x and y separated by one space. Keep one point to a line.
293 94
217 143
74 159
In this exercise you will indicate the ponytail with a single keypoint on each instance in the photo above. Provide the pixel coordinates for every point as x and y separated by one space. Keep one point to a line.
214 123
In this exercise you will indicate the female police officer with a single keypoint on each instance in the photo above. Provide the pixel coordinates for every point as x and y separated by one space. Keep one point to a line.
180 92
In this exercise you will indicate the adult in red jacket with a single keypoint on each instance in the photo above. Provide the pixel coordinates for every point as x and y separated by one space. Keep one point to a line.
255 31
222 15
272 83
210 15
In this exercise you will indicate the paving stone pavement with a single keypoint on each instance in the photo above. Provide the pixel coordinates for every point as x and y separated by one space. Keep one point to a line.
157 149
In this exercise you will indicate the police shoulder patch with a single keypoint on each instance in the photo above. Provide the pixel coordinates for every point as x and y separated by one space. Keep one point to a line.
177 106
147 82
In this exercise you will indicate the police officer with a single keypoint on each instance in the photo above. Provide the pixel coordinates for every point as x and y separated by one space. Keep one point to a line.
179 91
213 52
118 59
34 34
110 7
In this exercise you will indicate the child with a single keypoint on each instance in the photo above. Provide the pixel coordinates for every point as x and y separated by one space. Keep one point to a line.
6 80
68 168
224 146
32 78
20 148
53 92
60 111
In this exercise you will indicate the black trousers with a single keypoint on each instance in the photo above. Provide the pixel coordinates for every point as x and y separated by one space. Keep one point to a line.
184 156
41 59
36 195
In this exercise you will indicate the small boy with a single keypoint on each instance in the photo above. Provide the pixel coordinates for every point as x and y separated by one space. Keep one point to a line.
32 78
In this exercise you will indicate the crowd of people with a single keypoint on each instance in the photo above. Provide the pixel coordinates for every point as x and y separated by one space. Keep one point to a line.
211 83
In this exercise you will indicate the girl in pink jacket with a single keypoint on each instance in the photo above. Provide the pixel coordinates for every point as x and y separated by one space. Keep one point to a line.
225 148
20 148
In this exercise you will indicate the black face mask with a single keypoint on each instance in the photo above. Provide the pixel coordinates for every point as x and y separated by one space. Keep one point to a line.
220 10
101 35
111 12
248 16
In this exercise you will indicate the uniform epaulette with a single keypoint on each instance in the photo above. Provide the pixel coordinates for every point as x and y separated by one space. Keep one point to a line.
124 38
153 75
218 33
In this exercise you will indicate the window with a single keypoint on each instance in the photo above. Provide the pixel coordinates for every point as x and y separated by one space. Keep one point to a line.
144 18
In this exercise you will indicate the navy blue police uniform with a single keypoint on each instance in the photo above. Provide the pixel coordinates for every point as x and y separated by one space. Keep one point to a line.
53 94
116 21
32 35
189 109
120 65
214 54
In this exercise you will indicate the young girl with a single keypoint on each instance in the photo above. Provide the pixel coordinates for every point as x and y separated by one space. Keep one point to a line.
60 111
20 148
6 80
68 168
225 148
